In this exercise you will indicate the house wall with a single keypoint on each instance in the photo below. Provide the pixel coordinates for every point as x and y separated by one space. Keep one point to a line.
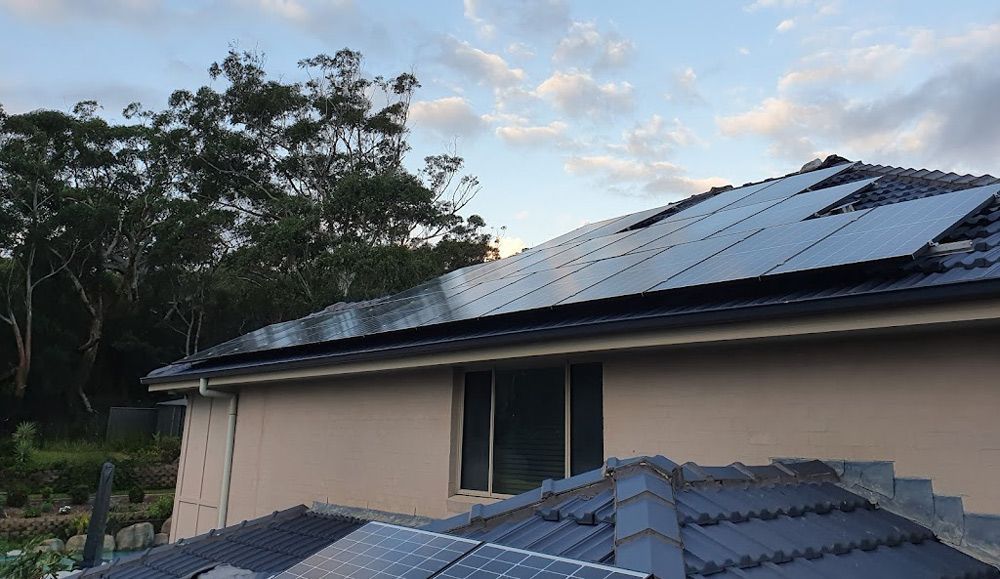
379 442
927 400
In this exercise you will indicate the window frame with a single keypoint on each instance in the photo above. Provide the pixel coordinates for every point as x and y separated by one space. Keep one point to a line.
460 427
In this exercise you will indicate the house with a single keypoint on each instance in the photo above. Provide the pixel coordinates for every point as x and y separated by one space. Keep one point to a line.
628 519
845 312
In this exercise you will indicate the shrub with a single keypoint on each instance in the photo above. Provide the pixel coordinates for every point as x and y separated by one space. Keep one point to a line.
45 492
136 495
17 498
78 524
79 495
24 442
169 447
34 564
47 507
32 512
161 508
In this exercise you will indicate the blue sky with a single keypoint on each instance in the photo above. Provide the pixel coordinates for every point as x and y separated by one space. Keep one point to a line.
572 111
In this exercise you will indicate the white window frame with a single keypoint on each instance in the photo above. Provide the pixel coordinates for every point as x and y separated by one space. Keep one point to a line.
567 431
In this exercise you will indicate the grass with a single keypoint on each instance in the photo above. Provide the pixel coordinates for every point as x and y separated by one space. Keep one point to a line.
48 458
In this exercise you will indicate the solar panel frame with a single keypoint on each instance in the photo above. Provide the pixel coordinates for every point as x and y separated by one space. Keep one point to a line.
500 562
384 551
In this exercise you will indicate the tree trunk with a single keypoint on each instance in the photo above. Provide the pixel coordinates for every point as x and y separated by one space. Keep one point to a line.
88 353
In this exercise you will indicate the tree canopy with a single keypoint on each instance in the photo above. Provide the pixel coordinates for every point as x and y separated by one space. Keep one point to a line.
126 245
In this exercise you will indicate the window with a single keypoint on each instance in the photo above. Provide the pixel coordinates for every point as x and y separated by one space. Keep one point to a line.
522 426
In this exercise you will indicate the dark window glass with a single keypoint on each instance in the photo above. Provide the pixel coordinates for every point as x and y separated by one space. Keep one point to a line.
586 417
476 431
529 425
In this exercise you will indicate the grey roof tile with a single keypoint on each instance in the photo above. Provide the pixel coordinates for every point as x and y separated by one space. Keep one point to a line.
789 519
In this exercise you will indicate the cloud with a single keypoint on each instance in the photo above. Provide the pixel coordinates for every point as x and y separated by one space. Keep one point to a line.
508 246
785 25
520 50
578 94
478 65
121 11
655 138
651 177
449 117
537 135
937 119
526 18
684 87
744 51
585 45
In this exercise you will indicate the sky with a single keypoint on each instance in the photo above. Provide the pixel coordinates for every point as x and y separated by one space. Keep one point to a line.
571 112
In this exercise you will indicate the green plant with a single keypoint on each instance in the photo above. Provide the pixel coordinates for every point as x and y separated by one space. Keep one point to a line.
17 498
34 564
136 495
47 507
169 447
161 508
45 492
24 442
79 495
78 524
32 512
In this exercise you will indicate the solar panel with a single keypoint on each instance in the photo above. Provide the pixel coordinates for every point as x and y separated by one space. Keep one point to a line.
565 287
717 202
640 240
788 186
662 266
799 207
384 551
759 253
499 296
897 230
491 561
577 233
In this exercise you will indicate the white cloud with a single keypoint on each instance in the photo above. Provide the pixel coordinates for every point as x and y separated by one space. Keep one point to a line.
449 117
785 25
744 51
478 65
528 135
684 87
585 45
578 94
522 215
655 138
520 50
652 177
759 4
508 246
527 18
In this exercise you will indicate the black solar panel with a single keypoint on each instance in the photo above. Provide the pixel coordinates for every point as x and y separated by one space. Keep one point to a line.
660 267
640 240
799 207
759 253
382 551
788 186
492 561
897 230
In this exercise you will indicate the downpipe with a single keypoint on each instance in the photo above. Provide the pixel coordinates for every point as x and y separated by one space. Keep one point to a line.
227 461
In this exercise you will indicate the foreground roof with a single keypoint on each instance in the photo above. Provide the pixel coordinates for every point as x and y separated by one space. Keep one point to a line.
267 545
682 260
777 521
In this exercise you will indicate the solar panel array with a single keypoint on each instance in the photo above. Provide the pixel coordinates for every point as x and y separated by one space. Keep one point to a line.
378 550
759 230
382 551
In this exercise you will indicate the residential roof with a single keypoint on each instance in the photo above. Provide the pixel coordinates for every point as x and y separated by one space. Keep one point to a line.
266 545
776 521
963 261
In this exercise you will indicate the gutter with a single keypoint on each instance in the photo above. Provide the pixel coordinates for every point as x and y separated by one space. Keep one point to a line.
227 461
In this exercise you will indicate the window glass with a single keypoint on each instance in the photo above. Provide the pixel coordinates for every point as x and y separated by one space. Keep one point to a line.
476 431
586 417
529 423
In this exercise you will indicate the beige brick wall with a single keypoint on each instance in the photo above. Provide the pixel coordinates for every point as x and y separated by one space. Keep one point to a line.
930 402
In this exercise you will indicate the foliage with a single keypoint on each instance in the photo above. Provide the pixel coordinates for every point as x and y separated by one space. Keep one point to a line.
45 492
129 244
136 495
168 447
34 564
24 442
46 507
17 498
79 495
78 524
32 512
161 508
